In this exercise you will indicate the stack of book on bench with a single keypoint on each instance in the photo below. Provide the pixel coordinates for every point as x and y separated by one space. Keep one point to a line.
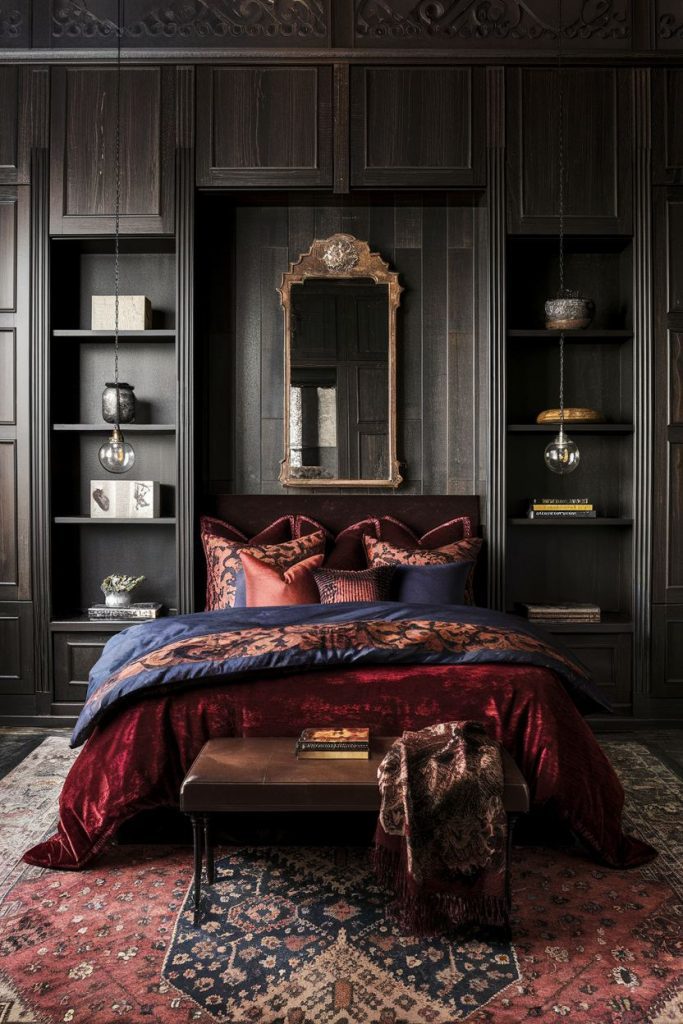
561 508
343 742
569 612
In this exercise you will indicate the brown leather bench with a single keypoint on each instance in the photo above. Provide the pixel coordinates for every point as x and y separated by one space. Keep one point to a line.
237 775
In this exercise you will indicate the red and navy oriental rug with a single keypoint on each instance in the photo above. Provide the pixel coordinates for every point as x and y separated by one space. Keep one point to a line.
303 936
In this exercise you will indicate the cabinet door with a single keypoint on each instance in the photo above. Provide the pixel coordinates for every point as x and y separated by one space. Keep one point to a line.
667 126
74 656
13 125
597 134
608 658
417 127
16 651
667 651
264 127
667 568
83 179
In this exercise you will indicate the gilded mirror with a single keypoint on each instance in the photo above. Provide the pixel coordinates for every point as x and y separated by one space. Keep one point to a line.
339 302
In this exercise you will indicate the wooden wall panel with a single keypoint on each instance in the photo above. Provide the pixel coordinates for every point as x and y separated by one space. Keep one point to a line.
269 126
417 127
441 429
667 651
83 150
8 515
597 144
667 126
74 656
13 125
16 649
8 252
8 377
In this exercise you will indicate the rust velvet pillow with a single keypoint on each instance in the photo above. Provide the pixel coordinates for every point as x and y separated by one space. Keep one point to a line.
274 545
266 585
381 552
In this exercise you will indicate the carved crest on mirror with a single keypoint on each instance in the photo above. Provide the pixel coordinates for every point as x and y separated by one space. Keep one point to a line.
339 302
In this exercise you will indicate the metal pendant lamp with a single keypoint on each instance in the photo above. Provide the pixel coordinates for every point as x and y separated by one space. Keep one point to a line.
562 455
116 455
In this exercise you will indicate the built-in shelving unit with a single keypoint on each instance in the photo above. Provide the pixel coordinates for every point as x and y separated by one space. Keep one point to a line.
85 549
564 559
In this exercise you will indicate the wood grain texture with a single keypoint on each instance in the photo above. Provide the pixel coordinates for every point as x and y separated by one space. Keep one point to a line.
241 138
419 127
8 515
8 251
667 651
16 650
14 125
667 130
74 654
8 377
597 140
83 180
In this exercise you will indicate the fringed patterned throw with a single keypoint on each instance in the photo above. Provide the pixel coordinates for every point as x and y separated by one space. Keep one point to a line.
441 837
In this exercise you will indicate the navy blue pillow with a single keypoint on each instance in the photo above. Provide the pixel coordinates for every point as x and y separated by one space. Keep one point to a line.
240 590
431 584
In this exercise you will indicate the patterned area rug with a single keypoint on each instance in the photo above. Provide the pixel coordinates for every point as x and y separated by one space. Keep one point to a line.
302 936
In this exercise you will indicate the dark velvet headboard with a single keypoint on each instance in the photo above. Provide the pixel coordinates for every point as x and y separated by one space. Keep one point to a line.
251 512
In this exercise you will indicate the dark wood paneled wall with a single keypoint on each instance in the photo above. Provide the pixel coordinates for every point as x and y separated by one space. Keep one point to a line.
436 246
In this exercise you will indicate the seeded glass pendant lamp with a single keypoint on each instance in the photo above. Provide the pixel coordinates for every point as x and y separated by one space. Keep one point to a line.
562 455
116 455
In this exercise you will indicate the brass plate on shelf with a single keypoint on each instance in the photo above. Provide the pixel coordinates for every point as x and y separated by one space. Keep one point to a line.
571 415
568 325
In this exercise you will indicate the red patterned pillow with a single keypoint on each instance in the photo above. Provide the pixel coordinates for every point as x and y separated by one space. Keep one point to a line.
222 549
268 586
397 533
336 585
381 552
347 552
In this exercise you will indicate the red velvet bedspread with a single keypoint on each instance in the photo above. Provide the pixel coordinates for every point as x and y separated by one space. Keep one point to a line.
137 759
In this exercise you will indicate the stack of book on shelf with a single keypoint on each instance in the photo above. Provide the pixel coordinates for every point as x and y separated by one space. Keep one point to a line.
561 508
348 743
139 612
569 612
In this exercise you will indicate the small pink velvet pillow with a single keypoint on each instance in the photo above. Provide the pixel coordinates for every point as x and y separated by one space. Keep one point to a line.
266 585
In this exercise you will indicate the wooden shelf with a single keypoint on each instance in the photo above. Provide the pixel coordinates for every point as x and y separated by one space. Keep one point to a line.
82 335
574 335
105 428
570 428
570 521
105 521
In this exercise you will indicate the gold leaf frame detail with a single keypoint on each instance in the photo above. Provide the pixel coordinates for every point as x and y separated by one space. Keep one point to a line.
313 264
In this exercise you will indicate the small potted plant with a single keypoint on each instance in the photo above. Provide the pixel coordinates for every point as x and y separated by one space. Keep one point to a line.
117 589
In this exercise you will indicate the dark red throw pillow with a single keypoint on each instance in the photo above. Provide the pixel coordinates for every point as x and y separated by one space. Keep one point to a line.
397 533
336 585
348 552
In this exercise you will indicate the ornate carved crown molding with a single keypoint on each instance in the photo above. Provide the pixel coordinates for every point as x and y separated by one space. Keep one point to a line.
198 21
451 21
11 23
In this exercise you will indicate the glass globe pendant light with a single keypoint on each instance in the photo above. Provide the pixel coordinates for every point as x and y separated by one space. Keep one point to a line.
116 455
562 454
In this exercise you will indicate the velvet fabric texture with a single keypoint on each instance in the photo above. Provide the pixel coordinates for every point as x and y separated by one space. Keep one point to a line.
268 586
382 552
149 746
222 552
431 584
337 585
396 532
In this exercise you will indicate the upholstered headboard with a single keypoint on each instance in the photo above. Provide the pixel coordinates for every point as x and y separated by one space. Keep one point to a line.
421 512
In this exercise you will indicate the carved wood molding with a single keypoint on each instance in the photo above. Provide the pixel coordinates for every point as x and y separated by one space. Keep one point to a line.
455 21
342 256
180 21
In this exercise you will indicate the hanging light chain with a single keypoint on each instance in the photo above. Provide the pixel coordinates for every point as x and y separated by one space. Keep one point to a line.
117 208
560 77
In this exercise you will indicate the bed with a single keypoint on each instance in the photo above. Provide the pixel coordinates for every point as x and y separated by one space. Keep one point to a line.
162 689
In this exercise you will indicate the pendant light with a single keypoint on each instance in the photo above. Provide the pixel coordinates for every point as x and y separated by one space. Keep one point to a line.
562 455
116 455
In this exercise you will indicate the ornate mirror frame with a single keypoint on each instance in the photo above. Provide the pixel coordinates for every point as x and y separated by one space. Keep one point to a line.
342 256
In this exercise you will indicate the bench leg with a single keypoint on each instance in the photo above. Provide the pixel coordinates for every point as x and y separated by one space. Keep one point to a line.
208 847
197 838
512 818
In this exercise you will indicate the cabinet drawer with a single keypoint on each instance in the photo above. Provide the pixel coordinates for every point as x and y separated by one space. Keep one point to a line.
608 657
74 656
